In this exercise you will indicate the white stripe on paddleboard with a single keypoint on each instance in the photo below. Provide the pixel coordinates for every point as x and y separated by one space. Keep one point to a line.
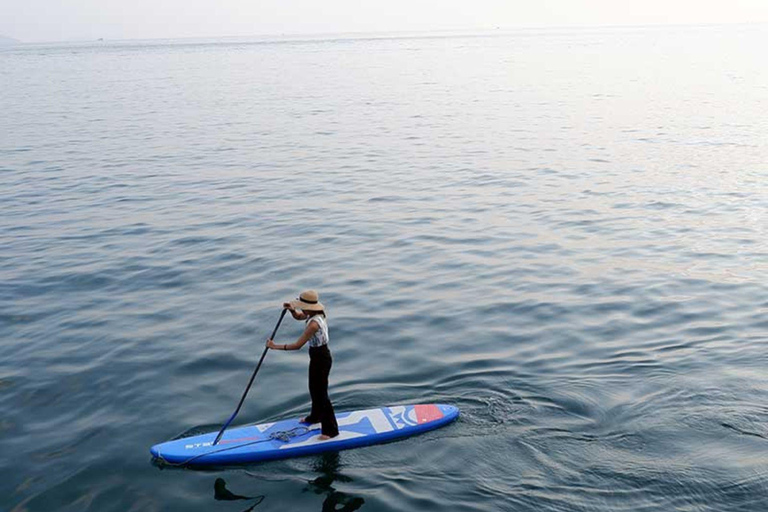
345 434
377 418
265 426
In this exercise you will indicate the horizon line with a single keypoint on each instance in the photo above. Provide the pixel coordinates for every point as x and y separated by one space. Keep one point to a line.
394 33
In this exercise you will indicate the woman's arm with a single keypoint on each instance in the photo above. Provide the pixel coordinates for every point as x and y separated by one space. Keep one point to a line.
296 345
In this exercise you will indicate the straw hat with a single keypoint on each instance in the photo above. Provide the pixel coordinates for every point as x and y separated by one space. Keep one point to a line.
308 300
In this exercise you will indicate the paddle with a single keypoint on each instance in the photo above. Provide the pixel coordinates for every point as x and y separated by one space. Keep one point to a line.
221 432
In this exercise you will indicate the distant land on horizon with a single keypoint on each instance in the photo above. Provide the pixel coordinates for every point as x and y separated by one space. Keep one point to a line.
8 40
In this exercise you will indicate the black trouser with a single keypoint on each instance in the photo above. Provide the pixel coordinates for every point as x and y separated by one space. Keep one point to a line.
320 362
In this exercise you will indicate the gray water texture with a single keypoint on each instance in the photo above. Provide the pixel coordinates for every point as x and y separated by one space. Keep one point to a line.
561 232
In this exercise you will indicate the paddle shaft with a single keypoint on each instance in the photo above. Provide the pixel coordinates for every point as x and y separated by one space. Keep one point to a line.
250 382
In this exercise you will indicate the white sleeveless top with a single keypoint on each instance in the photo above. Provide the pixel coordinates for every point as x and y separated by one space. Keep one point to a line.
321 336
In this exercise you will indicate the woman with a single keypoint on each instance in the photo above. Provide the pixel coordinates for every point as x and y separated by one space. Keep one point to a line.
316 333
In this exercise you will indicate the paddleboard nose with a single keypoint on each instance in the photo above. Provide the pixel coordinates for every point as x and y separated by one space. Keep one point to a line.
449 410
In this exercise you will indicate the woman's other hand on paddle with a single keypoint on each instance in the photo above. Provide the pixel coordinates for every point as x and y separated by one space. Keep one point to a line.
271 344
289 307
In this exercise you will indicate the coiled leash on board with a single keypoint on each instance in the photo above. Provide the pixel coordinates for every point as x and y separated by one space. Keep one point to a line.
281 435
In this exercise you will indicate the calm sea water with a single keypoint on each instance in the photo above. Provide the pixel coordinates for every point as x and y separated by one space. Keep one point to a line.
564 233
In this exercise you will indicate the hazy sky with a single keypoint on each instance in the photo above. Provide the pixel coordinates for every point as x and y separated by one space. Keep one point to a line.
52 20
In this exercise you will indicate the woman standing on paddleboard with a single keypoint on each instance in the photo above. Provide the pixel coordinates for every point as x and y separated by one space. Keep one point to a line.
320 361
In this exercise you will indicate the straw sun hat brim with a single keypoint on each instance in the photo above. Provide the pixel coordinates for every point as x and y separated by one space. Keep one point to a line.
306 306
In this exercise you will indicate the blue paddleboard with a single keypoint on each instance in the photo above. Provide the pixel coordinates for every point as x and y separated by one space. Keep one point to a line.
291 438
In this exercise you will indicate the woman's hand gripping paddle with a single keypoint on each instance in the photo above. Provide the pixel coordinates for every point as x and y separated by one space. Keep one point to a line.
250 382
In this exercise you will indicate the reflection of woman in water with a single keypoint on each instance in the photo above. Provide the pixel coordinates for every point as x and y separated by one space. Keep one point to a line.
308 307
329 467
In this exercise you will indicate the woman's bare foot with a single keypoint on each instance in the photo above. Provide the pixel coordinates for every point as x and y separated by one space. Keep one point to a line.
323 437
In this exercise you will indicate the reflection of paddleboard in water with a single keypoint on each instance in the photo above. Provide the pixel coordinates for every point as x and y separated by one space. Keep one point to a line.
291 438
